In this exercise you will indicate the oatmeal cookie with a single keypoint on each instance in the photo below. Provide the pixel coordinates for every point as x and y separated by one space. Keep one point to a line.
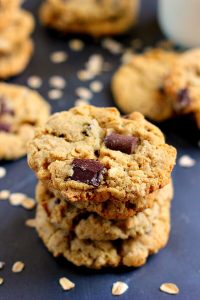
21 110
93 154
138 85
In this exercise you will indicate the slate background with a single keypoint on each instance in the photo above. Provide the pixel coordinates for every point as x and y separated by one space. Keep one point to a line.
179 262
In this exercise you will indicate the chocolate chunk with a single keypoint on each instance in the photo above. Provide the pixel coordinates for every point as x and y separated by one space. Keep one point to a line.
5 127
57 201
87 171
5 107
123 143
183 99
161 90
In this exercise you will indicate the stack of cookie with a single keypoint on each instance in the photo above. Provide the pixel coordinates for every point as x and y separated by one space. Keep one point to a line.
104 188
97 18
16 47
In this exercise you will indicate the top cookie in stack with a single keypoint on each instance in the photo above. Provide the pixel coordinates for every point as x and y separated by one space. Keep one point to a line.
16 48
94 157
97 18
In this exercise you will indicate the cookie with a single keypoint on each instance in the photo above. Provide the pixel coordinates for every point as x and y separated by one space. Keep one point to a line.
131 252
182 84
14 63
86 225
8 9
21 110
93 154
97 18
9 37
138 85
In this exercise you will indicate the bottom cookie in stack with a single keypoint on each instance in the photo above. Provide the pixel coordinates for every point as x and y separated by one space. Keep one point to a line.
87 239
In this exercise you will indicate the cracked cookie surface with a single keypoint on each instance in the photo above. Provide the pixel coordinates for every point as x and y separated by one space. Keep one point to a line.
79 134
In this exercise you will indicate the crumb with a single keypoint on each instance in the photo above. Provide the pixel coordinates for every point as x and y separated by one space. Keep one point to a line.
2 265
58 57
76 45
113 46
4 194
1 280
80 102
119 288
2 172
34 82
57 82
28 203
55 94
83 93
16 198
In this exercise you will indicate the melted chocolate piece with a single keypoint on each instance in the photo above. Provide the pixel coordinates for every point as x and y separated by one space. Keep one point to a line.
5 127
4 107
87 171
183 99
123 143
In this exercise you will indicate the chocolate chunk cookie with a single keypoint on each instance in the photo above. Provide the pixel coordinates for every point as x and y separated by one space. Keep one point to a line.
139 85
97 18
71 155
21 110
182 84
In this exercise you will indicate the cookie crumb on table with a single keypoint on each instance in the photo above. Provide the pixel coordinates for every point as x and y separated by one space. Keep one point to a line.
18 267
119 288
66 284
58 57
2 172
1 280
28 203
83 93
17 199
169 288
186 161
96 86
113 46
80 102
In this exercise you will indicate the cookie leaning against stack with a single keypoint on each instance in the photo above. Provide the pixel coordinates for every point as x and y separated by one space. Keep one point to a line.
97 18
21 110
15 45
99 169
160 84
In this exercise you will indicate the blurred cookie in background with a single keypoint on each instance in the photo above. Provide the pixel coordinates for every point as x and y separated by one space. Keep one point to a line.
16 48
96 18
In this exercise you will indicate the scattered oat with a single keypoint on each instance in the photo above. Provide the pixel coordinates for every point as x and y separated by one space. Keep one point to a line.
186 161
34 82
18 267
31 223
1 280
58 57
4 194
84 75
16 198
113 46
2 172
169 288
76 45
66 284
57 82
96 86
2 265
28 203
119 288
83 93
80 102
127 56
95 64
136 43
55 94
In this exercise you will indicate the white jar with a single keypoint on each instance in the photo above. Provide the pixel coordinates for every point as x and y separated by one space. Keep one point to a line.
180 21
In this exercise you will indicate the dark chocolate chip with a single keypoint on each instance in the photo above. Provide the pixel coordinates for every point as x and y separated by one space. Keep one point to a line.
183 99
5 107
57 201
161 90
5 127
87 171
123 143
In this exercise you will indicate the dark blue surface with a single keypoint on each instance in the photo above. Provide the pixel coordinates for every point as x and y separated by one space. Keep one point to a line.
179 262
